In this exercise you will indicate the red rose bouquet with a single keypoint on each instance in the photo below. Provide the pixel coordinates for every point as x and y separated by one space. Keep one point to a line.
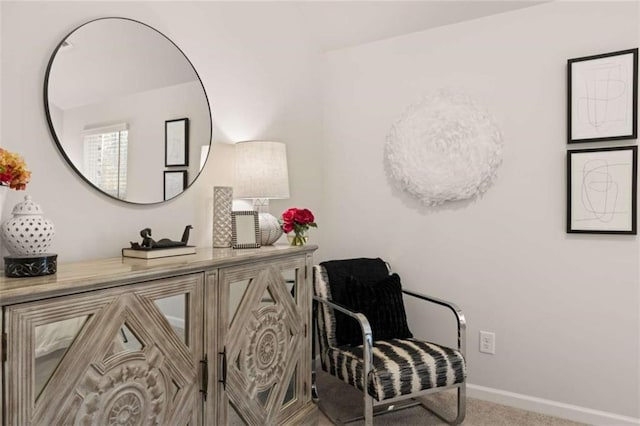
299 221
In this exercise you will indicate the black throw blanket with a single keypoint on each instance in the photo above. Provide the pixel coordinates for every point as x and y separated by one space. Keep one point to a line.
367 271
341 273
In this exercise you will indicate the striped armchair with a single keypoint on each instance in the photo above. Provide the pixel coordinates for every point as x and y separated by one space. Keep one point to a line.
390 370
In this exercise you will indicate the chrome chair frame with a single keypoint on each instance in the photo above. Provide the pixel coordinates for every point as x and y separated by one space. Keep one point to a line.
367 340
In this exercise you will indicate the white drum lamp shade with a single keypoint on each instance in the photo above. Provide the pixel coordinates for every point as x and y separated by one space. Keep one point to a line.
261 170
262 174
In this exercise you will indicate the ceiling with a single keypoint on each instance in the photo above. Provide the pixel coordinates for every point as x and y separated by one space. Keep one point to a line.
339 24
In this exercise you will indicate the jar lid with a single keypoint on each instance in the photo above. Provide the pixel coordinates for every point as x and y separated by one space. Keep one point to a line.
27 207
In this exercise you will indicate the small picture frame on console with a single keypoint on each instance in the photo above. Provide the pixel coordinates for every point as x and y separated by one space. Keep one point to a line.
245 231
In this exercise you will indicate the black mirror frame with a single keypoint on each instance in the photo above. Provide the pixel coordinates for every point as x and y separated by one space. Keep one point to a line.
58 142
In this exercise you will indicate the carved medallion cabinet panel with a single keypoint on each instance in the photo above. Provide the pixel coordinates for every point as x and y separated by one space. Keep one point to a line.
109 357
264 336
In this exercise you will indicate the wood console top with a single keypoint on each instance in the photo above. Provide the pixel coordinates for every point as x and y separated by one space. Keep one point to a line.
91 275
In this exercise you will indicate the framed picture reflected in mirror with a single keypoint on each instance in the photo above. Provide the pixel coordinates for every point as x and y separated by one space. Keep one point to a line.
176 142
175 181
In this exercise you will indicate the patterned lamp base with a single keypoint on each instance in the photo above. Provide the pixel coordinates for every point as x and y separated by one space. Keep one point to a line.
30 265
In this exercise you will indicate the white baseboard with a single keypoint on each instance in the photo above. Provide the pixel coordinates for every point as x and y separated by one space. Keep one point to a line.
551 408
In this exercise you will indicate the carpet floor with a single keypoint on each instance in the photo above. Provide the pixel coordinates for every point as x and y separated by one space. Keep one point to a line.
340 401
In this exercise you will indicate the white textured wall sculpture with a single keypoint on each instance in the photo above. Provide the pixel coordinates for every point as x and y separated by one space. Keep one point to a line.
444 148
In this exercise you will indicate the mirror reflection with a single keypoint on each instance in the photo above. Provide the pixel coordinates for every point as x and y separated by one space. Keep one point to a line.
51 344
175 310
111 87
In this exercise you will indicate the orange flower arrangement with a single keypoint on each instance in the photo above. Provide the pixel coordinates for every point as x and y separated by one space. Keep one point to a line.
13 171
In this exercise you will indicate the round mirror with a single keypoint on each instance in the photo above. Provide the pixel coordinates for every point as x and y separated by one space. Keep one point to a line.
127 110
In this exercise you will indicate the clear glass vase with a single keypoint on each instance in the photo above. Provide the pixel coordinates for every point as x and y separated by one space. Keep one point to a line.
298 239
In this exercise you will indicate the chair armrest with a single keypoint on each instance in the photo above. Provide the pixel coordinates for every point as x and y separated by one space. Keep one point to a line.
462 323
367 338
361 318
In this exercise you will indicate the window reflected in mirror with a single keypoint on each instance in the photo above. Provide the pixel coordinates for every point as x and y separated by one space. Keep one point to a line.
105 159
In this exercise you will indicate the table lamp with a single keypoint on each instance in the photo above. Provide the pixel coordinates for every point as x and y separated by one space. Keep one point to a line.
262 174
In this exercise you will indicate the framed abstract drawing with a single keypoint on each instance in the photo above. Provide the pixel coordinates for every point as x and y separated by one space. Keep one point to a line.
603 97
176 142
602 190
175 181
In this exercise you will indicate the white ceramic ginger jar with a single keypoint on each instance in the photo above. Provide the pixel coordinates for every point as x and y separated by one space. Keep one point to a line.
28 232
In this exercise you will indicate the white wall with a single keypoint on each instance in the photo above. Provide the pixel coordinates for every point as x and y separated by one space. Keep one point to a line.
262 80
564 307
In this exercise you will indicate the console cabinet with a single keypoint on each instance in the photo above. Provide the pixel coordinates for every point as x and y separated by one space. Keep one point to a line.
219 337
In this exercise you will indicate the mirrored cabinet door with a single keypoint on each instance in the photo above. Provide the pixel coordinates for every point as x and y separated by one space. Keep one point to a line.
112 357
263 339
